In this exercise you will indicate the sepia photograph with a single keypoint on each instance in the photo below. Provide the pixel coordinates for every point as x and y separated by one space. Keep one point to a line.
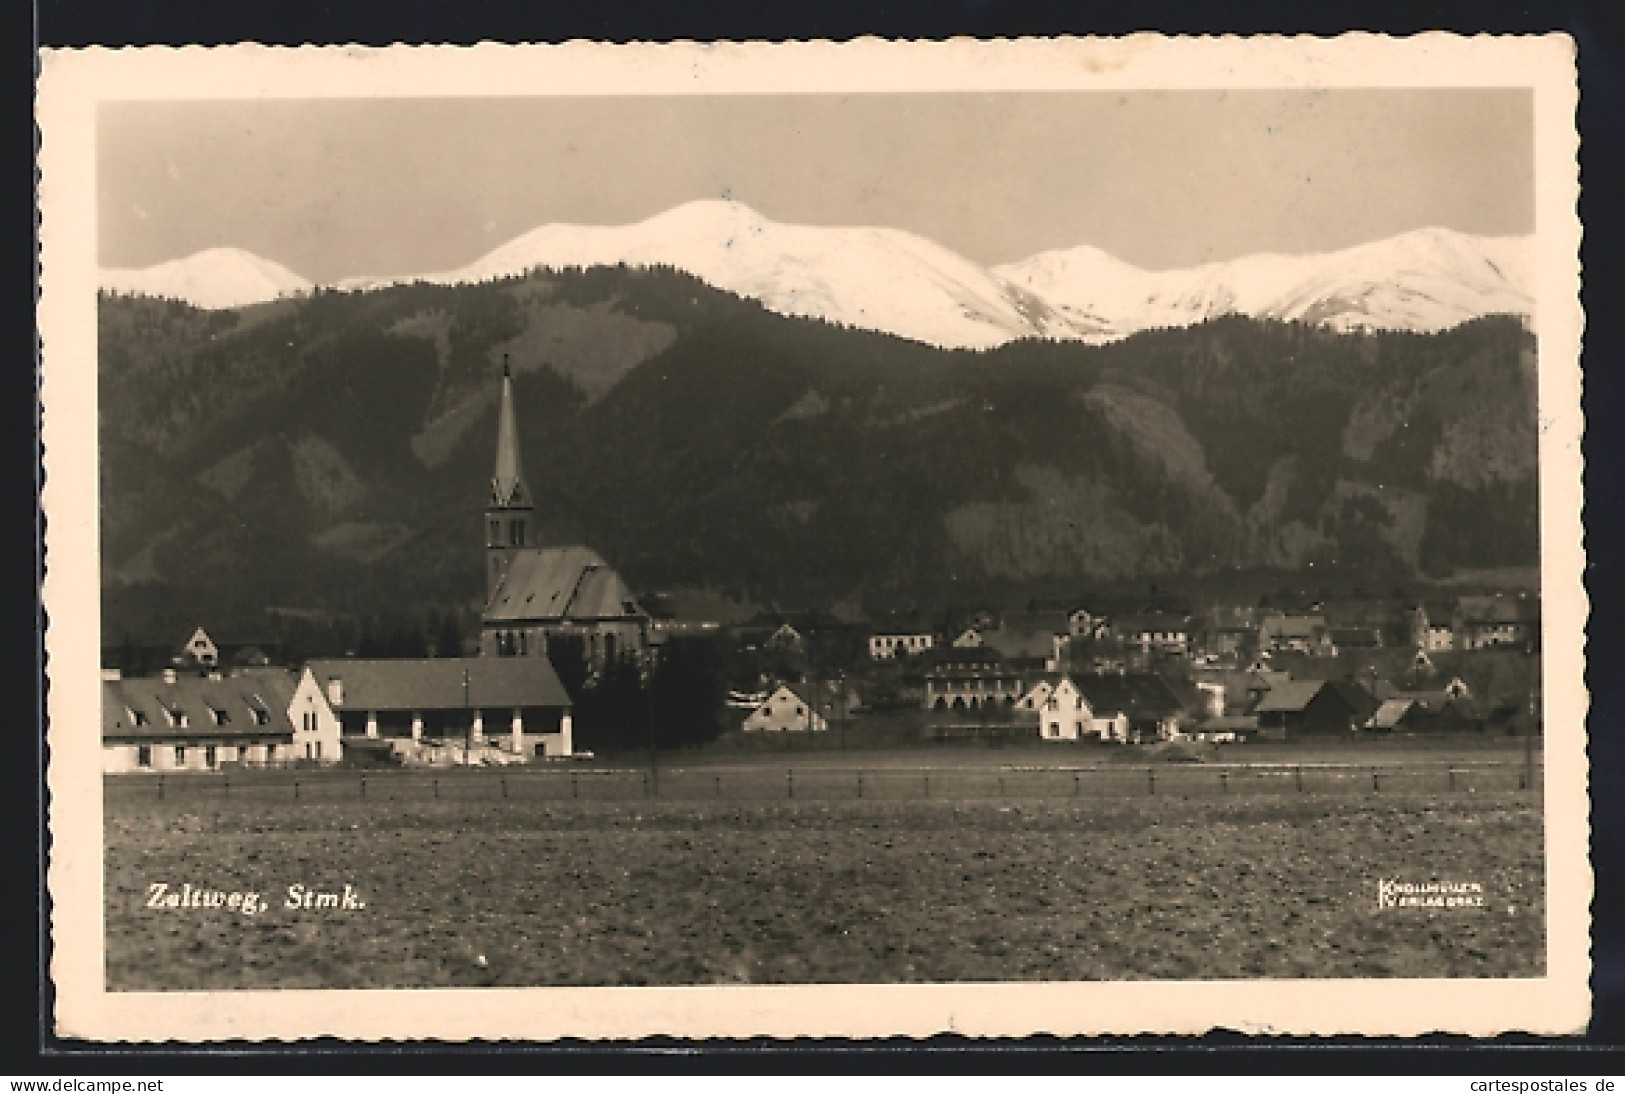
1058 535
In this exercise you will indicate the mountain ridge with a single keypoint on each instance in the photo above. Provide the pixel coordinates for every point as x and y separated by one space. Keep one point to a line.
330 455
896 282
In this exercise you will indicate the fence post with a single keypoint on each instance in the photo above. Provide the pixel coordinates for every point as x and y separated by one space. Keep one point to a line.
1376 779
363 784
716 786
790 783
1452 774
1077 784
575 789
296 790
160 786
1297 777
504 786
928 786
437 788
645 784
1224 781
860 784
1150 780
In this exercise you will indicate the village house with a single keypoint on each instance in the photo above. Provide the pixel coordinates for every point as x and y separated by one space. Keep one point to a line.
534 593
886 646
1410 715
1299 708
1082 623
1064 715
1033 641
785 711
1164 632
1396 714
1371 621
471 704
175 722
1225 729
969 678
200 650
1483 622
1282 633
1432 627
1126 708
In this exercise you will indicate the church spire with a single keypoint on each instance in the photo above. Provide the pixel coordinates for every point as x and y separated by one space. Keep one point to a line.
509 514
508 480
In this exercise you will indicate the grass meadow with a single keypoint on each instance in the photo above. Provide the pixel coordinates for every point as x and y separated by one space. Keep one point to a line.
786 875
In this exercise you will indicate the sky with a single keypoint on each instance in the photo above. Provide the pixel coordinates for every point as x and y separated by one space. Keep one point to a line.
338 188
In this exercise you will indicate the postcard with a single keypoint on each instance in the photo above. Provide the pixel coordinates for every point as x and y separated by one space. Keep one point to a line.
803 539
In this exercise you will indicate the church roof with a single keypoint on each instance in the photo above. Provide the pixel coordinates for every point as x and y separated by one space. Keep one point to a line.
561 584
508 480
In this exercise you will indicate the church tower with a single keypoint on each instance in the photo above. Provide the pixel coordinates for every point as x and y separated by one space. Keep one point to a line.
509 515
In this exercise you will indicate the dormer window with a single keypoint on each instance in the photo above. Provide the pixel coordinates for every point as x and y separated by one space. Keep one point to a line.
220 717
138 717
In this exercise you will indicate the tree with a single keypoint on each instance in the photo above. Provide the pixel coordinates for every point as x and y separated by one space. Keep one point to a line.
568 654
689 689
448 640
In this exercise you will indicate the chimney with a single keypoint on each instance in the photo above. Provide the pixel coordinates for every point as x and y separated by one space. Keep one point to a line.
335 691
169 676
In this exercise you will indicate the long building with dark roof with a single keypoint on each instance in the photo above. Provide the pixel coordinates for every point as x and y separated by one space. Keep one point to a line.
537 594
179 721
516 704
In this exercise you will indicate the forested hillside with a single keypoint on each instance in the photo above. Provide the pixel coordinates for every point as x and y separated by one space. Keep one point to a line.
328 457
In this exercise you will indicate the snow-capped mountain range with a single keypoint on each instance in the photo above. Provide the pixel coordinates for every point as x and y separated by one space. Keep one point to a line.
889 280
221 277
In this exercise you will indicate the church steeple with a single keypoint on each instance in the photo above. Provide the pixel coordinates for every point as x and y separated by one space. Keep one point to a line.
509 516
508 481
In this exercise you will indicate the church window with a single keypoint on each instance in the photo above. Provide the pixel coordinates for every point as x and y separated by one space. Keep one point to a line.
496 532
516 533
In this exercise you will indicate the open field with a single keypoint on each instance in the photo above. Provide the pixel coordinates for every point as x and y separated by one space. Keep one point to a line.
690 890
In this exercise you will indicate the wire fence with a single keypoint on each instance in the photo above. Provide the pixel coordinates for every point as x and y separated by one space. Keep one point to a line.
886 783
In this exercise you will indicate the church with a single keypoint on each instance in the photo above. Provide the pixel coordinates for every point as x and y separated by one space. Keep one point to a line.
535 594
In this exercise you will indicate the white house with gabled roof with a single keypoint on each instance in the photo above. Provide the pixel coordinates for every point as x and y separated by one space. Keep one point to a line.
784 712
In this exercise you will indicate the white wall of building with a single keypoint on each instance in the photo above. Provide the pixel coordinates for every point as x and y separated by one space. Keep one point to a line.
316 733
784 712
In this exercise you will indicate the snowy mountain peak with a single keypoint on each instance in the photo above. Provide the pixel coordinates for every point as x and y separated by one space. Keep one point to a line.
1424 280
874 278
889 280
221 277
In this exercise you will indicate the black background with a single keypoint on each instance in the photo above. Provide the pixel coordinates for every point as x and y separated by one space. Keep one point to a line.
1595 25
